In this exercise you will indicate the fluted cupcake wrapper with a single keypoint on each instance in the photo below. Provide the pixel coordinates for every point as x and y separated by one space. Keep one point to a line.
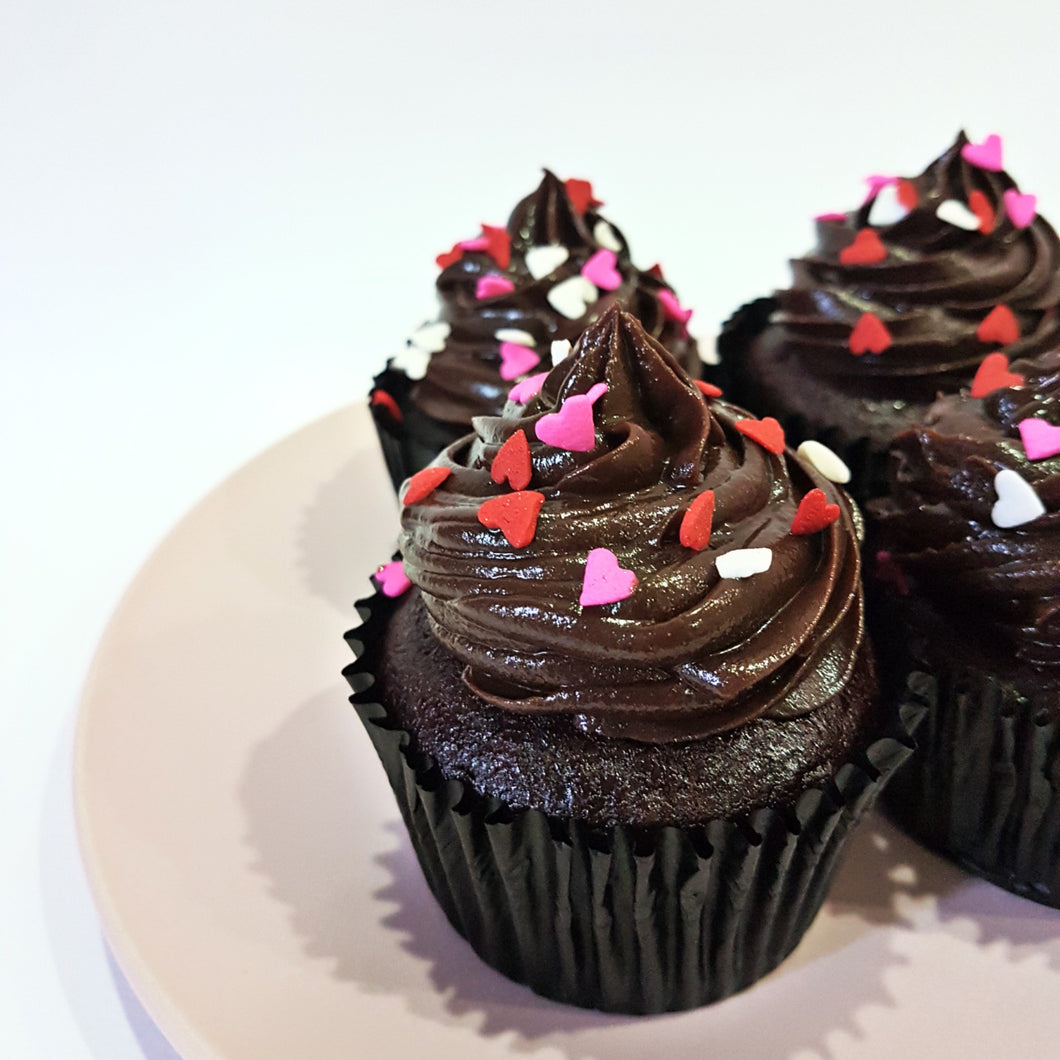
983 788
411 440
867 463
623 919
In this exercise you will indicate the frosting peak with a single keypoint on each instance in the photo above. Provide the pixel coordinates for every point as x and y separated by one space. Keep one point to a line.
663 510
548 217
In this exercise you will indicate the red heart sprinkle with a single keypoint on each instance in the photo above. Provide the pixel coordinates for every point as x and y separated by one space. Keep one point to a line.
767 432
450 257
381 399
867 249
815 513
498 245
580 193
870 335
424 483
999 325
708 389
512 462
906 192
514 514
979 204
993 374
697 520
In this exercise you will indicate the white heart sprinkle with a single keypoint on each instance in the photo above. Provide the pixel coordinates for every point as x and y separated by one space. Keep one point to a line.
560 350
572 296
543 261
605 235
516 335
1017 503
886 208
743 562
430 337
956 213
412 361
822 458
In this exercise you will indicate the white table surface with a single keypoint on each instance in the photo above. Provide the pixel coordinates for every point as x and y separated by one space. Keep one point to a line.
217 219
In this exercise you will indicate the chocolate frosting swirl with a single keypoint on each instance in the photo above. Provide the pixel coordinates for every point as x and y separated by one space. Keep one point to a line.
935 287
688 653
463 379
1001 584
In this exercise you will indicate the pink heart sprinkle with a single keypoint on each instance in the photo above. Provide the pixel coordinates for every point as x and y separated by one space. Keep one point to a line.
605 582
673 308
985 155
1020 208
876 182
601 270
571 428
530 387
491 285
478 243
517 360
1040 439
833 217
392 579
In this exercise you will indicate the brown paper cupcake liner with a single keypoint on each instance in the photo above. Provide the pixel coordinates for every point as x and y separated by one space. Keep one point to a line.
868 464
623 919
983 788
410 440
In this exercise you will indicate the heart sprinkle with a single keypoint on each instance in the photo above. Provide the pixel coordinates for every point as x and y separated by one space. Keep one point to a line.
1041 440
606 236
955 213
580 193
815 513
992 375
601 270
431 337
514 514
450 257
516 335
985 155
392 579
831 218
512 462
867 249
887 208
491 285
979 204
424 483
1020 208
743 562
543 261
767 432
412 361
530 387
696 522
824 460
907 194
572 296
1017 503
877 182
707 389
672 308
517 360
604 581
870 335
380 399
560 350
571 428
999 325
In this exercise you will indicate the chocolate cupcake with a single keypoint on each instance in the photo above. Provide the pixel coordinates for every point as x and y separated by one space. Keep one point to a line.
967 590
620 683
505 297
899 301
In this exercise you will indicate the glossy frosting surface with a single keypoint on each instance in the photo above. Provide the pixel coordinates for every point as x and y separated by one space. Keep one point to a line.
937 523
688 653
463 379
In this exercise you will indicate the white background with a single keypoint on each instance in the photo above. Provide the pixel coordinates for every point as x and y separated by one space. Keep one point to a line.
216 219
